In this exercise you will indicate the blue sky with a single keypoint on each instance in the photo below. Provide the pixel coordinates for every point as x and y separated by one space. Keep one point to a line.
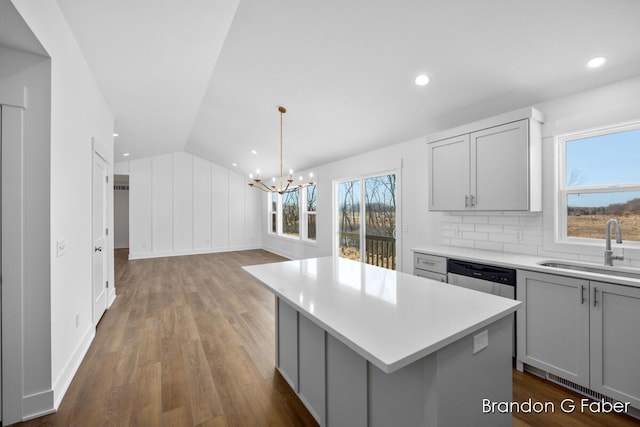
604 160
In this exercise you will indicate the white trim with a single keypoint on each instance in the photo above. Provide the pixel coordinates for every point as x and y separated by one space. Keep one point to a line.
61 384
148 255
562 190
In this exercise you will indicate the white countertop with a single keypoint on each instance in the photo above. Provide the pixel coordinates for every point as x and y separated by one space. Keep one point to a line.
527 262
390 318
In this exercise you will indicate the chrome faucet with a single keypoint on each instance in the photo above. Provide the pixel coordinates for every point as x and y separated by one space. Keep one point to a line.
608 253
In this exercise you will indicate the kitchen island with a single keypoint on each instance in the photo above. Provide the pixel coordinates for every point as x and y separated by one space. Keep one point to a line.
363 345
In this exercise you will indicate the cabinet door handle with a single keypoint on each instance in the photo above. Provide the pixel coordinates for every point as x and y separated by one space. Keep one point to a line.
473 200
595 295
466 201
581 294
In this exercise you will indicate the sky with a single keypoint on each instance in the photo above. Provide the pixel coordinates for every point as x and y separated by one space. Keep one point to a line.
604 160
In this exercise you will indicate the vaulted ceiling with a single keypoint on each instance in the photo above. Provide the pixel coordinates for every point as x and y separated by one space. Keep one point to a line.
207 76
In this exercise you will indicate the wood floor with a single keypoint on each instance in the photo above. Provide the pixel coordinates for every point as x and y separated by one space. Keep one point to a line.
189 341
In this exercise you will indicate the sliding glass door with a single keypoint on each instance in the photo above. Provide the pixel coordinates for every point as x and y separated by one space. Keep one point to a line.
366 220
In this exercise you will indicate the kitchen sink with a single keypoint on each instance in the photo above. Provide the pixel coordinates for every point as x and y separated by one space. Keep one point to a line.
630 273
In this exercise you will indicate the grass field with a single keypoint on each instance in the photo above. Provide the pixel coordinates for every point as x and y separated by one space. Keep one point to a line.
593 226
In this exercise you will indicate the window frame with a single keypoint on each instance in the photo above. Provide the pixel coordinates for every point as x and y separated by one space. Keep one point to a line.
563 190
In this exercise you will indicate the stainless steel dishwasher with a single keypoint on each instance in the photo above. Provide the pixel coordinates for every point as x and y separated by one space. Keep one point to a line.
490 279
482 277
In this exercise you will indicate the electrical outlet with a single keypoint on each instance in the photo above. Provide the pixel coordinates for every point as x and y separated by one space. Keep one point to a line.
518 234
480 341
77 319
405 228
455 231
61 248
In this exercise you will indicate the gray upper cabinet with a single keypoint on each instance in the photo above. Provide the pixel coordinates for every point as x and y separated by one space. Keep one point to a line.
496 166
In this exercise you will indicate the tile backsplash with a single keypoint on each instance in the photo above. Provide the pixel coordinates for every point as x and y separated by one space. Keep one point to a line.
515 232
496 231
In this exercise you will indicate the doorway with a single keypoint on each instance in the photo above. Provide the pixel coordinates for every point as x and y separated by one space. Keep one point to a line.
121 212
366 219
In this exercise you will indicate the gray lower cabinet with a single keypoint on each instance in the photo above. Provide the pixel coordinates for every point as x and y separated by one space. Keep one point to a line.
553 324
583 331
615 341
287 342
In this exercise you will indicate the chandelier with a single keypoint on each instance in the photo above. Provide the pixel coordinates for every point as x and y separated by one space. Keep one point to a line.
259 184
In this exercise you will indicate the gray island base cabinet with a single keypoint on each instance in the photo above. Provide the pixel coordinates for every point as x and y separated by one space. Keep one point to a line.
445 388
365 346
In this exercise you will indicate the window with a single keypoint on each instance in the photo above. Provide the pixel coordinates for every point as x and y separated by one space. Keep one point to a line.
311 212
599 179
367 231
291 212
286 210
274 213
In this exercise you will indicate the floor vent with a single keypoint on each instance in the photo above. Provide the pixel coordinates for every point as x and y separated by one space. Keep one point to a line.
585 391
579 389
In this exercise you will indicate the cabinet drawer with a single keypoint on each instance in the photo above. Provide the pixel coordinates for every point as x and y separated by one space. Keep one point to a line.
436 264
430 275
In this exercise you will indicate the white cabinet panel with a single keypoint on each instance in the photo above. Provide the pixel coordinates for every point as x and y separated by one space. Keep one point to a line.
615 341
553 324
182 201
493 168
499 167
201 204
449 174
162 203
220 206
140 206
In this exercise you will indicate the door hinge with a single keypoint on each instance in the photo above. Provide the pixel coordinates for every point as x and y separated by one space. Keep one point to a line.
107 177
106 231
107 283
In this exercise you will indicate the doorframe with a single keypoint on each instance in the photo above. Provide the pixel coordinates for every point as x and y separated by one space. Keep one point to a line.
334 214
101 152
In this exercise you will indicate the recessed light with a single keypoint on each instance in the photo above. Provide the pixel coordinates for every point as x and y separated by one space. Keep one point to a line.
422 80
125 155
234 164
254 152
596 62
115 135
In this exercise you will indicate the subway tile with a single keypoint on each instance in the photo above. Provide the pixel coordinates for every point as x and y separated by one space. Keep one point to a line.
521 249
473 235
490 246
475 220
504 220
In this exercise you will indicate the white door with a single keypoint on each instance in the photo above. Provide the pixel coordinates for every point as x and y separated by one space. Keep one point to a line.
99 197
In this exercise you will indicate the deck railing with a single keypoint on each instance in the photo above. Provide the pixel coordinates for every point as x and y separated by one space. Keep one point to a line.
379 250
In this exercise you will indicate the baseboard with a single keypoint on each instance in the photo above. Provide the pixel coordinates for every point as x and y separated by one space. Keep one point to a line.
281 253
121 246
111 297
147 255
71 367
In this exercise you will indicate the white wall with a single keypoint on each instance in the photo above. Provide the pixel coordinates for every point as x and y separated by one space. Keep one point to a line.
410 158
181 204
26 242
611 104
499 231
59 207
